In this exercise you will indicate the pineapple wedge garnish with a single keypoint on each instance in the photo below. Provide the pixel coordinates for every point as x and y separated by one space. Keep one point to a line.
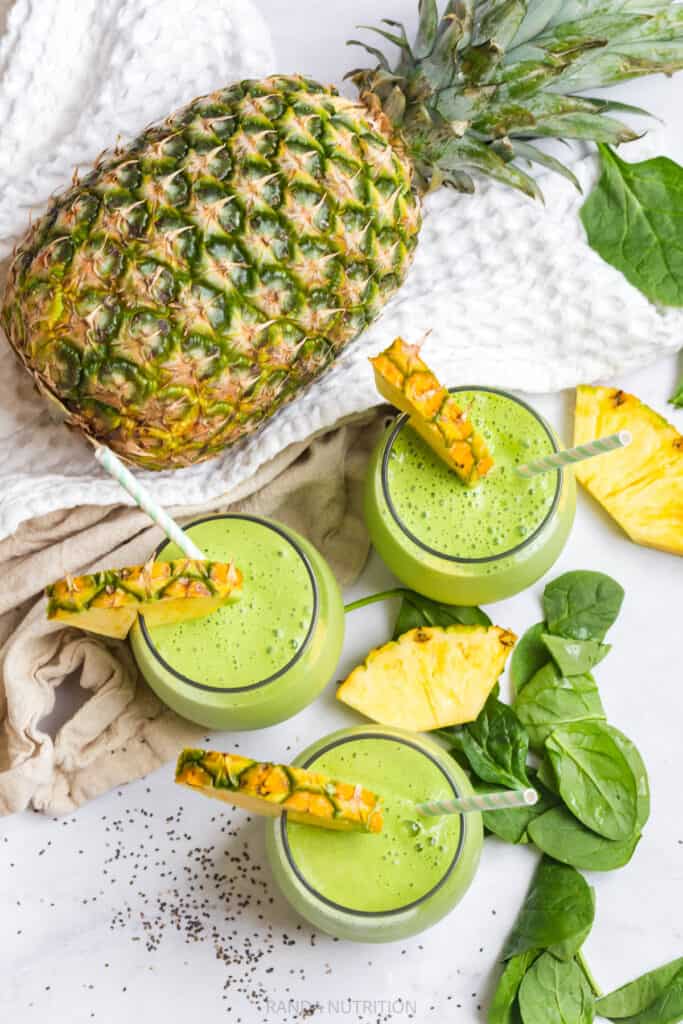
309 798
403 379
641 486
430 678
108 602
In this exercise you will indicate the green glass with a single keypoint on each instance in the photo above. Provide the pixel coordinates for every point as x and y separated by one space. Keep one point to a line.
386 886
470 545
263 657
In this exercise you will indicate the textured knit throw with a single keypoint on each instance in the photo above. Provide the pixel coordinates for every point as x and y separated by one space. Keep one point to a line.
508 287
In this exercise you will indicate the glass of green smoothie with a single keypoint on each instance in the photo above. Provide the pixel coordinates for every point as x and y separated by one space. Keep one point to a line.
386 886
470 545
262 658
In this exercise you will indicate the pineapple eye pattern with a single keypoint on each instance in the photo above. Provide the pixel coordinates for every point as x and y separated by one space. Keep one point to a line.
194 281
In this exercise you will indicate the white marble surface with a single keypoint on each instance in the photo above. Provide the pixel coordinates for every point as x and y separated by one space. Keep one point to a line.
151 905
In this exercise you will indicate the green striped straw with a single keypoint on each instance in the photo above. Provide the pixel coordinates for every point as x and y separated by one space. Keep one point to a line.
480 802
144 499
568 456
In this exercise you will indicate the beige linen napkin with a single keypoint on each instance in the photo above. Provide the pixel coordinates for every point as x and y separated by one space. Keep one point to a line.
122 731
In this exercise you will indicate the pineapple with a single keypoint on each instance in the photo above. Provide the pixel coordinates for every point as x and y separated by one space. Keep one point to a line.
641 486
108 602
430 677
169 301
408 383
309 798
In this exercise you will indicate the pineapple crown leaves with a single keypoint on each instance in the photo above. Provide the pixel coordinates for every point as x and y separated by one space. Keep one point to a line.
484 79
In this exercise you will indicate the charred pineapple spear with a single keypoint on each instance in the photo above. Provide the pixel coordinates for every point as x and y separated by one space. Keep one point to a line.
180 292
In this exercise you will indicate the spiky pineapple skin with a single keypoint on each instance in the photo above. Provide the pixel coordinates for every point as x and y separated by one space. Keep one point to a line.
307 796
195 280
119 595
406 381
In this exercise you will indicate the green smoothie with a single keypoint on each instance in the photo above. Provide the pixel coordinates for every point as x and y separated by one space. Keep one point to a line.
263 657
255 637
482 521
470 545
389 885
380 873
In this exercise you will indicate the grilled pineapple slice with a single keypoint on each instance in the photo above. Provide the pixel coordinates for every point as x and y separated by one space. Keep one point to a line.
430 677
310 798
108 602
641 486
407 382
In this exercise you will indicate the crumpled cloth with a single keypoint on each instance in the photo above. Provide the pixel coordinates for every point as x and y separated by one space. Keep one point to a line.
512 293
122 731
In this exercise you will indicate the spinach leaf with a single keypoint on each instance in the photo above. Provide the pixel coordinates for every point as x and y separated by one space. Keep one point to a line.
546 775
550 700
639 995
575 657
633 220
559 905
582 605
594 778
635 762
503 1001
528 656
677 397
416 611
512 823
495 745
562 836
555 992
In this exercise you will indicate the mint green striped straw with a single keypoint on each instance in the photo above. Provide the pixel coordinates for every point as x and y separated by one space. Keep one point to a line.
480 802
568 456
144 499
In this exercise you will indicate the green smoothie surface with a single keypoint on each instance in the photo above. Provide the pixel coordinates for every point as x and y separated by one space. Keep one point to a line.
392 869
491 518
256 636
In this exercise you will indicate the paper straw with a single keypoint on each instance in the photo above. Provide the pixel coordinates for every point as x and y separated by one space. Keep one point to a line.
480 802
144 499
570 455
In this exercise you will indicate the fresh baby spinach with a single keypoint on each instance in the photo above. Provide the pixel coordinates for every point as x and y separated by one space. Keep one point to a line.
562 836
495 745
555 992
582 605
594 778
558 906
640 996
633 221
635 762
550 700
574 657
504 1002
512 823
529 654
417 611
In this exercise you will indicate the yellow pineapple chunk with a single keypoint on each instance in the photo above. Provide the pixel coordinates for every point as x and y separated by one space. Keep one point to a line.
108 602
641 486
430 677
309 798
408 383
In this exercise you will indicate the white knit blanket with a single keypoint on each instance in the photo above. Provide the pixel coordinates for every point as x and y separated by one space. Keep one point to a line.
509 288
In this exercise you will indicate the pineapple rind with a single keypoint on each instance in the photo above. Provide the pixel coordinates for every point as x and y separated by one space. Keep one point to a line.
108 602
640 486
430 678
407 382
269 789
191 283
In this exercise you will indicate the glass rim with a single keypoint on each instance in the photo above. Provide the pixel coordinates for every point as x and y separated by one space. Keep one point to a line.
374 914
297 654
403 420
